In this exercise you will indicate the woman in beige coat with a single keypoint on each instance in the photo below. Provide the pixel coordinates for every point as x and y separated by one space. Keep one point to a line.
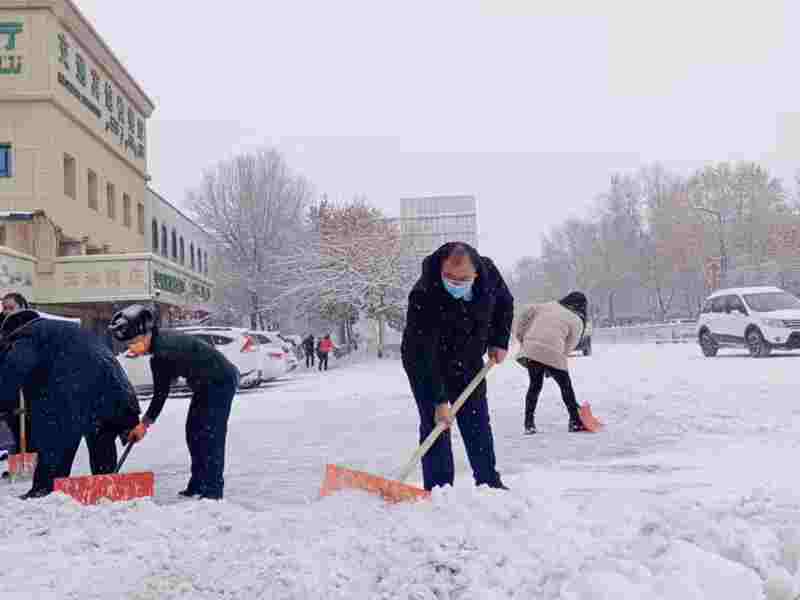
547 334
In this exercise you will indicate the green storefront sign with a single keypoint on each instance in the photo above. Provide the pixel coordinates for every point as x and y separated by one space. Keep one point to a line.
169 283
10 64
11 30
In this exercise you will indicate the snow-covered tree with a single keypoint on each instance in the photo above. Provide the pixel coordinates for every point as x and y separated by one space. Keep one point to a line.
254 206
355 262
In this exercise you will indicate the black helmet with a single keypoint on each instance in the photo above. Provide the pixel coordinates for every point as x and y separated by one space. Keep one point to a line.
131 322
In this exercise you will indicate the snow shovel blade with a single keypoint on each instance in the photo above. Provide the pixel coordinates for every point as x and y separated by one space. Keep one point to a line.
117 487
589 420
21 466
341 478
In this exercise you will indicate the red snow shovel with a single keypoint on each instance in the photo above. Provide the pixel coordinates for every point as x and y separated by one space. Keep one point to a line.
341 478
22 465
90 489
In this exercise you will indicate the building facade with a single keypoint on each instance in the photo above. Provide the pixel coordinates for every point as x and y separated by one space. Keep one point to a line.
75 207
430 221
177 241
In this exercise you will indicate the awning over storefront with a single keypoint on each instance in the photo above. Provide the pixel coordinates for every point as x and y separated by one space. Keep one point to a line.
105 278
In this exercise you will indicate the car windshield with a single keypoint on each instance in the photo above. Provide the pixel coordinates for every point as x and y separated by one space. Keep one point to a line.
772 301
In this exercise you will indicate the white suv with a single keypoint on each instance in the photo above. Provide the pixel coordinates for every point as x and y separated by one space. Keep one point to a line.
760 319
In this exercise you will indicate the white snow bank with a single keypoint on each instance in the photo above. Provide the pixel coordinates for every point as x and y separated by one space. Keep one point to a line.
466 544
687 495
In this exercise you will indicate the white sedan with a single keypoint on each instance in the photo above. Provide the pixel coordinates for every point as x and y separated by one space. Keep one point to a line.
234 343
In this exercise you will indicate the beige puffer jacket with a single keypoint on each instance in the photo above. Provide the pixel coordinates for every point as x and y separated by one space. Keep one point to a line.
548 333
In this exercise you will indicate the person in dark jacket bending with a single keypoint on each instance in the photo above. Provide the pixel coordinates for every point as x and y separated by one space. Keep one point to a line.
458 310
75 388
212 378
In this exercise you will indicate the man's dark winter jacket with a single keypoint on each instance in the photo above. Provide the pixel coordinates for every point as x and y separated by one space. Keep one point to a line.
445 337
176 355
70 377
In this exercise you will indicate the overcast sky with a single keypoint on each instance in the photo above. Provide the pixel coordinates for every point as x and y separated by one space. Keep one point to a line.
528 105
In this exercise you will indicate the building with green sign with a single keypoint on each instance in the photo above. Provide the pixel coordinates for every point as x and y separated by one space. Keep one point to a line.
80 229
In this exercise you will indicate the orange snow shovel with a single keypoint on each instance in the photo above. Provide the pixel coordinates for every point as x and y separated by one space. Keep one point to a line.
589 421
90 489
22 465
341 478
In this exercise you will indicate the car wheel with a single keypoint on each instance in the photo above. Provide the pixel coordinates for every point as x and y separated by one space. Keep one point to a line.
708 345
757 345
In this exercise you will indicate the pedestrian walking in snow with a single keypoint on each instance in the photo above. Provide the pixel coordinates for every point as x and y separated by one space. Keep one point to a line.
75 388
309 348
548 333
459 309
212 378
324 349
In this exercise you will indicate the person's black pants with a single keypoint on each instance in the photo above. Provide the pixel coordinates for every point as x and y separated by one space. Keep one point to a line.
473 422
323 361
55 460
536 373
309 359
206 432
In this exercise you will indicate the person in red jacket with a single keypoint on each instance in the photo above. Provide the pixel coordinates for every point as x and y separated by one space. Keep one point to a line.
324 348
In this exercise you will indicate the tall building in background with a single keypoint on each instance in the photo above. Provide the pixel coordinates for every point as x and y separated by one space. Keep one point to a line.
430 221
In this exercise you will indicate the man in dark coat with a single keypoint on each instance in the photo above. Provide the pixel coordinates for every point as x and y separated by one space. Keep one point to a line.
76 388
212 378
459 310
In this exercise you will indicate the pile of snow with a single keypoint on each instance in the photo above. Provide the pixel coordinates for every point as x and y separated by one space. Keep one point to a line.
687 495
465 544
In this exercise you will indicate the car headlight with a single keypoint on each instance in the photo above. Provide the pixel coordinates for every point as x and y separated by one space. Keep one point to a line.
774 323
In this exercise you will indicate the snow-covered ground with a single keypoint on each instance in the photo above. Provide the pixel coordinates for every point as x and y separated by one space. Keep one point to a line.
690 493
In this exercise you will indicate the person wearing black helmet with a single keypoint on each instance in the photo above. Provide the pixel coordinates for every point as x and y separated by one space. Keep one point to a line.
76 389
212 378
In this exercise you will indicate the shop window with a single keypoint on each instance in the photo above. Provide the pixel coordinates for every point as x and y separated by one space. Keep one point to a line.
5 160
70 177
92 189
127 216
111 201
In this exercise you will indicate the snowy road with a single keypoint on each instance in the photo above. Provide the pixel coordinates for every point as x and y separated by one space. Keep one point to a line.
690 493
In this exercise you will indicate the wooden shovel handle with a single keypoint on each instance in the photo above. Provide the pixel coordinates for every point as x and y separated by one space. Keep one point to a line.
437 431
23 434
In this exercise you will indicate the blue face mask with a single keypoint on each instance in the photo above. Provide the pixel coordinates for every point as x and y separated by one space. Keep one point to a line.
458 289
